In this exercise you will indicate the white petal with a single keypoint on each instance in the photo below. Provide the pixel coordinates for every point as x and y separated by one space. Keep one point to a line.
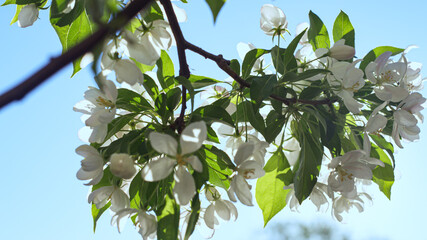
209 216
195 163
242 190
244 151
148 224
158 169
222 209
100 196
127 71
376 123
193 137
163 143
251 169
185 187
122 165
232 208
28 15
119 200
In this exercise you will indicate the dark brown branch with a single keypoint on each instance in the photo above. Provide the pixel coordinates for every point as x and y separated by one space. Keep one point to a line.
184 70
20 91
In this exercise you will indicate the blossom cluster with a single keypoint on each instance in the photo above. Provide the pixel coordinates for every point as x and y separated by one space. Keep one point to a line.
324 128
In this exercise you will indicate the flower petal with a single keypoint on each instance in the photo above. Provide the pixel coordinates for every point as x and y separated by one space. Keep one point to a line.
158 169
163 143
195 163
185 187
193 137
244 151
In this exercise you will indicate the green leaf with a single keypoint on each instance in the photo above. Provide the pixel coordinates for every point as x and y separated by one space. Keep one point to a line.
118 123
212 113
21 2
314 90
173 98
274 123
201 81
261 88
317 33
246 113
71 28
144 68
150 86
96 213
249 61
219 165
290 50
132 101
374 53
215 6
383 176
168 220
235 66
308 165
277 58
270 193
385 145
194 216
343 29
292 77
165 70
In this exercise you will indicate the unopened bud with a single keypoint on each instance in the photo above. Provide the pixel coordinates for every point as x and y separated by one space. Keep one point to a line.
122 165
28 15
342 52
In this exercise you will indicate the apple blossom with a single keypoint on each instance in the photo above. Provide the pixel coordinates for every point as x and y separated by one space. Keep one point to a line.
100 197
147 223
191 140
92 165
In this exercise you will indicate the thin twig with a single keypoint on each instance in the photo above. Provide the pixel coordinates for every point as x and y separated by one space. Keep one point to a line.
57 63
184 70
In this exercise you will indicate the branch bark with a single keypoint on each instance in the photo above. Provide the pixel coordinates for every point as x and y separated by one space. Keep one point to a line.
20 91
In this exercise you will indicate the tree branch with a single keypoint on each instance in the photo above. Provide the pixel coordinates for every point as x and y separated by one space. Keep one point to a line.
184 70
225 66
20 91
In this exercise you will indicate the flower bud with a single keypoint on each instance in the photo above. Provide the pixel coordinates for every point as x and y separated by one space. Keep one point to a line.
28 15
273 20
122 165
342 52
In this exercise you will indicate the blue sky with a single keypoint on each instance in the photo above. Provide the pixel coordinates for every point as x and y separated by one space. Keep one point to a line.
41 197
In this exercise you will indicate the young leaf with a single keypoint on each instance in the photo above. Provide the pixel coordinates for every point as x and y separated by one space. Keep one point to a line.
343 29
374 53
118 123
201 81
270 193
96 213
317 34
215 6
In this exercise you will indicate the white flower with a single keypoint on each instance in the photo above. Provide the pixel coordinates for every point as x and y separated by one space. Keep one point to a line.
28 15
317 196
347 79
147 223
190 141
344 204
376 122
247 168
92 165
100 106
146 43
347 167
125 69
273 20
223 208
385 74
405 126
100 197
180 13
122 165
